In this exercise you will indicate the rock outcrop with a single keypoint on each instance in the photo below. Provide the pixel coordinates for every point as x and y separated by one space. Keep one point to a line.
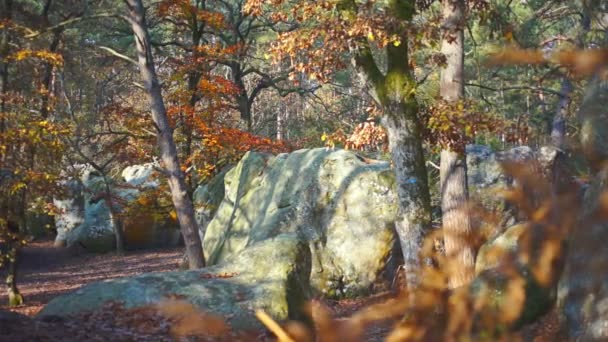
505 281
271 275
583 287
207 199
487 178
86 222
340 205
502 249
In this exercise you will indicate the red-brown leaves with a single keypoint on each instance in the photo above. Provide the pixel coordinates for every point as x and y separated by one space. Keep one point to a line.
188 320
366 136
186 11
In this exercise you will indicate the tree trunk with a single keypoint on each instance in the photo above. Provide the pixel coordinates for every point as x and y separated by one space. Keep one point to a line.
11 249
179 194
14 296
280 125
558 126
242 98
6 9
455 217
405 145
395 91
453 173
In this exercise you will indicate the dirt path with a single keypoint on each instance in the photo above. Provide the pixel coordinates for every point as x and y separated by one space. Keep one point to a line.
46 272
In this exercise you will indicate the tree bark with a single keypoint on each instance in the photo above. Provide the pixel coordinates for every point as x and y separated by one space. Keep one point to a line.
594 123
453 172
7 11
558 126
456 221
11 249
14 296
405 145
395 92
242 98
181 201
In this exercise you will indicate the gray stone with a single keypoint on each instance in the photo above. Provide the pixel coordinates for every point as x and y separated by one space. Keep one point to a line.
594 122
499 267
484 168
71 211
85 220
141 175
207 198
583 287
343 207
95 232
503 248
487 179
271 275
498 294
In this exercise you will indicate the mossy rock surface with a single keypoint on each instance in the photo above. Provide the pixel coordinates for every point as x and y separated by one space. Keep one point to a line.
487 179
505 284
207 198
502 248
271 276
583 287
342 206
510 299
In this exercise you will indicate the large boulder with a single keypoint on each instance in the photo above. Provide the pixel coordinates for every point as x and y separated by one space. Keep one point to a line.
207 199
594 122
234 289
487 179
501 249
508 298
341 205
583 288
505 283
95 231
71 211
141 175
484 166
86 221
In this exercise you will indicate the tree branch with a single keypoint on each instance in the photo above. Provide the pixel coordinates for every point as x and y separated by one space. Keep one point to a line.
118 54
522 87
70 22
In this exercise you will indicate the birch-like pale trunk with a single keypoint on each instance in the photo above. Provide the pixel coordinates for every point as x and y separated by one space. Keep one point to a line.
179 194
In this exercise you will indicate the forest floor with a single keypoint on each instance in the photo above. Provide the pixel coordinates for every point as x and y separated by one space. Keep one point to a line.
46 272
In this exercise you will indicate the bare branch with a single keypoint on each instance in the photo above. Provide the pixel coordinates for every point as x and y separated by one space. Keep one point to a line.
521 87
70 22
118 54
